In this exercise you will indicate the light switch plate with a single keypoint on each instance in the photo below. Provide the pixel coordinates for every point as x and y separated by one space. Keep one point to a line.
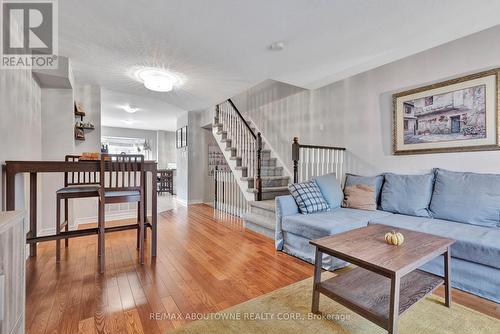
2 297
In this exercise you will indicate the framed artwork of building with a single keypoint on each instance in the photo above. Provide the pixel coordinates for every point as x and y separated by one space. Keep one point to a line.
461 114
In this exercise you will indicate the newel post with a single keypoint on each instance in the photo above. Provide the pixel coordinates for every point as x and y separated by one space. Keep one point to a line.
258 180
295 158
216 118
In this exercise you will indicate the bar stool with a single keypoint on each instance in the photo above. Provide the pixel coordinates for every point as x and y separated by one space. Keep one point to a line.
121 181
76 185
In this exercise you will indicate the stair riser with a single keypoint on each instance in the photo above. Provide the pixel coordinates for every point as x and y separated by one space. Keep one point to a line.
269 171
276 171
273 194
268 163
269 183
260 229
262 212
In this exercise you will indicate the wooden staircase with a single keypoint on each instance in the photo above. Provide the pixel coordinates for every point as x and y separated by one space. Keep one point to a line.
254 166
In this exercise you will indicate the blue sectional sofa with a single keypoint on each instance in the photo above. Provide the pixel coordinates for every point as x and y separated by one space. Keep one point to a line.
461 206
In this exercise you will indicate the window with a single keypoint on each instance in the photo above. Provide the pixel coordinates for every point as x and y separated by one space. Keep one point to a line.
119 145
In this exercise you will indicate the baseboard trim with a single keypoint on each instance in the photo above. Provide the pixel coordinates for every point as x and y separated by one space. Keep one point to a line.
110 216
181 201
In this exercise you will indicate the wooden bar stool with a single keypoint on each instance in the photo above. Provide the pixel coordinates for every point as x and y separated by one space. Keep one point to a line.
76 185
121 181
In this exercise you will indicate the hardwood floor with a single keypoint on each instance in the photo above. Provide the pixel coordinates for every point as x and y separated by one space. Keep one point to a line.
206 262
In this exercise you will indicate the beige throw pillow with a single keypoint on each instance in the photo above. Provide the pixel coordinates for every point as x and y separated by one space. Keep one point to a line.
359 196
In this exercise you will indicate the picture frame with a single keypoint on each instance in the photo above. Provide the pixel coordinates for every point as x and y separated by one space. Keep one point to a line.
184 137
178 138
457 115
181 137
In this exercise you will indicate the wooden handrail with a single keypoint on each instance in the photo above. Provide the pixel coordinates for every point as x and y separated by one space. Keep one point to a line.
246 140
243 119
296 140
296 146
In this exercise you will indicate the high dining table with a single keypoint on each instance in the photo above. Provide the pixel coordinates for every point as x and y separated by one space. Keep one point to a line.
11 168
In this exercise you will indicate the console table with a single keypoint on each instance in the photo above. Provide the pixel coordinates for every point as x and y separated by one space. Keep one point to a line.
12 168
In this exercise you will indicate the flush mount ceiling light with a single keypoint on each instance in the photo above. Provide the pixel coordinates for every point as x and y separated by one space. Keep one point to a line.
128 108
128 121
277 46
157 79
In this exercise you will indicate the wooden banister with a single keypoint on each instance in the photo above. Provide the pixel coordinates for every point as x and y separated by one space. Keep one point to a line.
248 143
329 159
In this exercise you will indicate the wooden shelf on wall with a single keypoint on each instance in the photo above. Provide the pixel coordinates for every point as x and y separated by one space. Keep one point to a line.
79 129
84 127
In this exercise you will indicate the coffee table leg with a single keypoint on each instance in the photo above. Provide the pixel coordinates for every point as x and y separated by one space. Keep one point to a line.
447 277
317 279
394 306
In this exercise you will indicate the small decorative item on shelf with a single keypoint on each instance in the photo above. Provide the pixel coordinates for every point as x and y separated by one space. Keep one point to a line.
79 111
79 134
85 125
394 238
104 148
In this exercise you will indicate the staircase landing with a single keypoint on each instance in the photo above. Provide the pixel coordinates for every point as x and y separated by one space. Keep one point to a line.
262 217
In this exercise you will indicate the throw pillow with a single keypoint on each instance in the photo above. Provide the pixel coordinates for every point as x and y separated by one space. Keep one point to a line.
330 188
407 194
374 181
360 196
308 197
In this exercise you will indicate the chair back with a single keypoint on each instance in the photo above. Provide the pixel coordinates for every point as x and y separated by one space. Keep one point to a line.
79 178
122 172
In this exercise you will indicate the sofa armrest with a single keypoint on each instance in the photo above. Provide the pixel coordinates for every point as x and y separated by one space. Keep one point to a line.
285 206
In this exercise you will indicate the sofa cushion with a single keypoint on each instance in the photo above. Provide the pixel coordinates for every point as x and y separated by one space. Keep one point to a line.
308 197
322 224
473 243
330 188
407 194
359 196
375 181
467 197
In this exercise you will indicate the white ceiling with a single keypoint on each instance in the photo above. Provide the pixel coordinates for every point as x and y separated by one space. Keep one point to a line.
152 114
221 46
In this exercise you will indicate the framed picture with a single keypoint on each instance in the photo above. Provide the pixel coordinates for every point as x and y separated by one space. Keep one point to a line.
181 137
215 159
178 139
184 137
457 115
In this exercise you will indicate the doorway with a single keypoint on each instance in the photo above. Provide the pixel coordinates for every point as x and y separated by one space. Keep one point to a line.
455 124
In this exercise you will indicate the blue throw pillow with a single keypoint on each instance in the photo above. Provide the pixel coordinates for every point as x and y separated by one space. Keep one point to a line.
308 197
469 198
372 181
330 188
407 194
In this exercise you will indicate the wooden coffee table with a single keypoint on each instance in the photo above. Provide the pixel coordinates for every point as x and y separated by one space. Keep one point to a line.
386 282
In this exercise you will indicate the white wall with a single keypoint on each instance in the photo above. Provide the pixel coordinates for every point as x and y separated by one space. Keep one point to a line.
57 141
196 145
182 164
20 125
166 148
357 112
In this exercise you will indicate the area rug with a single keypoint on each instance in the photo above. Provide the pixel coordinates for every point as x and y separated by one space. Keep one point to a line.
287 311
